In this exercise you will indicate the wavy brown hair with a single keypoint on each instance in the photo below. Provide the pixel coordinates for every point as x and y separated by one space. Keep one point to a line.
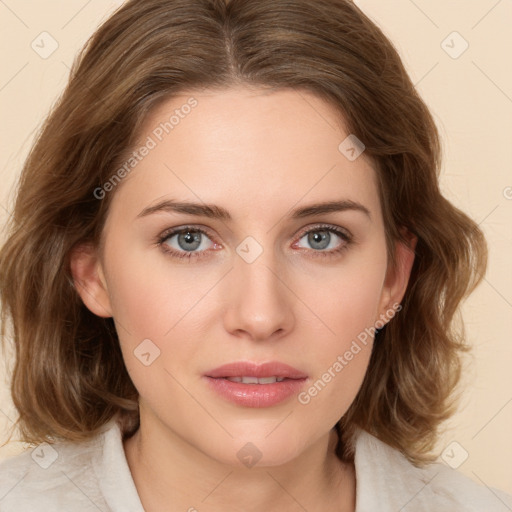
69 378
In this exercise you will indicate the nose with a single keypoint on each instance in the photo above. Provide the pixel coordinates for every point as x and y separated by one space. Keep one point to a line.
260 303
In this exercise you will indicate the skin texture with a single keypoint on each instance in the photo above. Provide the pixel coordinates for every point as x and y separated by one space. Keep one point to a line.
258 154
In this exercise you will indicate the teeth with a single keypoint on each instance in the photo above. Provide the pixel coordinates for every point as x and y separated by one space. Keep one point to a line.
256 380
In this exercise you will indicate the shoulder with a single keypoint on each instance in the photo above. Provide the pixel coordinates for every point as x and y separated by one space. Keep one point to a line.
51 476
385 476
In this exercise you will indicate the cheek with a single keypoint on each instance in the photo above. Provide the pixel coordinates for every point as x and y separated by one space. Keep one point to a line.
341 362
151 297
353 302
348 307
346 298
152 302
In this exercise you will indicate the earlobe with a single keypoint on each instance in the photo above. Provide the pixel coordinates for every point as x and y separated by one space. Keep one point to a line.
89 279
397 278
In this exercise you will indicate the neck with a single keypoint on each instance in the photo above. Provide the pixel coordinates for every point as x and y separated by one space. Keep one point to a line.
168 471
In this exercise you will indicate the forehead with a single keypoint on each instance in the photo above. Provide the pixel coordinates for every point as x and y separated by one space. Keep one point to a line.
248 150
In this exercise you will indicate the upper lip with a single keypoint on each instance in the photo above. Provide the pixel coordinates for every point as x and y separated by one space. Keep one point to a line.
250 369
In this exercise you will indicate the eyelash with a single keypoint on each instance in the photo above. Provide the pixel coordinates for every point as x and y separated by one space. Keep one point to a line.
347 239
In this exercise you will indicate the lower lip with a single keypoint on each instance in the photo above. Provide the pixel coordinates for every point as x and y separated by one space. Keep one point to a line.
256 395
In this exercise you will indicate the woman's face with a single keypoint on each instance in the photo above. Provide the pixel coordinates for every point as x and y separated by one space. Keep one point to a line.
261 277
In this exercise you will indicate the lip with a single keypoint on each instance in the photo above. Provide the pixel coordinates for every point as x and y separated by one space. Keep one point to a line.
248 368
256 395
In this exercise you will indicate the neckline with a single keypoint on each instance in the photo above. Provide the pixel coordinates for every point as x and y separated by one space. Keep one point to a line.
120 493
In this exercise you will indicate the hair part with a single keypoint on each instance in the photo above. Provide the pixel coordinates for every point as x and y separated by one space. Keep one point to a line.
69 377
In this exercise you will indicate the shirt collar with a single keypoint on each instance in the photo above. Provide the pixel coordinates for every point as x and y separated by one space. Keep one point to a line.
113 473
385 479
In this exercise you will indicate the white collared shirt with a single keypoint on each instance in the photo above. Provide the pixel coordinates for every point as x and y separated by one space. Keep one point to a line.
94 476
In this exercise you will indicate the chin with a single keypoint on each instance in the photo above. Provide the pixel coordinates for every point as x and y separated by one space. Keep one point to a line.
259 449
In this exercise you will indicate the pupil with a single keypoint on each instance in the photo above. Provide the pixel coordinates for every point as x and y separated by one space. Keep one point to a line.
319 239
189 238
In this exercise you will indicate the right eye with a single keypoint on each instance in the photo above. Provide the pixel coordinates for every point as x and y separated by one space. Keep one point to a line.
186 242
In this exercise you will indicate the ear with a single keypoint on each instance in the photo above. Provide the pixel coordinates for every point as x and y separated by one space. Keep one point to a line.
397 277
89 279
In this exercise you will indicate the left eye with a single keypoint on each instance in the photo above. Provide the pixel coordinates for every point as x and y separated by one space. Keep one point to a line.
322 239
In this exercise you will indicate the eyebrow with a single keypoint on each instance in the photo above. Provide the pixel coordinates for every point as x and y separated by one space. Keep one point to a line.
217 212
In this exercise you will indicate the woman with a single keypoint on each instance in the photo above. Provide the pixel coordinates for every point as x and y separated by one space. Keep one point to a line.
231 274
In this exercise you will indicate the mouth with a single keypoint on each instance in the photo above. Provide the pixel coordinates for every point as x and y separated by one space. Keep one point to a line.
255 380
250 371
256 385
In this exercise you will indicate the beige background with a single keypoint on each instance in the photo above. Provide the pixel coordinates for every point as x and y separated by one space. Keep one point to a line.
471 98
